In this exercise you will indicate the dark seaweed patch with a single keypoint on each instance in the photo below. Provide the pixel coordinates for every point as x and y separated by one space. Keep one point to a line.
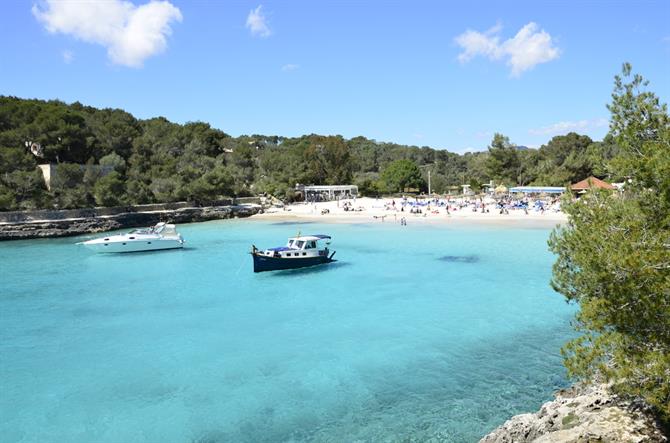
459 258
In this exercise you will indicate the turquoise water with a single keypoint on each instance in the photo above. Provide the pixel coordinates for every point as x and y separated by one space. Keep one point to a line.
417 332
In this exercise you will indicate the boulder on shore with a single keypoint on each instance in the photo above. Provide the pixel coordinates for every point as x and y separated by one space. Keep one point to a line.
582 414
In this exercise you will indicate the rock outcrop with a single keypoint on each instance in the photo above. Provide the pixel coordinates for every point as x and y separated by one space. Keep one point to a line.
86 225
582 414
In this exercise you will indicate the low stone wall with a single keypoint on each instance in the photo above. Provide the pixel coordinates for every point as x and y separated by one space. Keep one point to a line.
93 220
61 214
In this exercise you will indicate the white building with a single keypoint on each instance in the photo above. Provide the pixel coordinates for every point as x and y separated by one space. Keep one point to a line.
327 192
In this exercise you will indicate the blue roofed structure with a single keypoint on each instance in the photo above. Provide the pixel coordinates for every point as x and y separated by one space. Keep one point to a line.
538 189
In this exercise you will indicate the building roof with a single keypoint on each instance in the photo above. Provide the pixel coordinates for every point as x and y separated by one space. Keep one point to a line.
591 182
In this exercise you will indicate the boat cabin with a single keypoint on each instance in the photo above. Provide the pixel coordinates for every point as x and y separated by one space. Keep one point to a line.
300 247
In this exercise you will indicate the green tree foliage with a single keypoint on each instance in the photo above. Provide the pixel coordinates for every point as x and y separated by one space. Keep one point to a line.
402 174
114 162
211 186
160 161
109 189
370 185
614 256
503 163
328 160
21 184
564 160
22 190
68 189
113 131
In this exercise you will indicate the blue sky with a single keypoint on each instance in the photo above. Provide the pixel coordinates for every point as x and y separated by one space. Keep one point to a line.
421 73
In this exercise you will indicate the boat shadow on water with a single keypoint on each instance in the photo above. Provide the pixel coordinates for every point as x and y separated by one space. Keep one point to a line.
309 270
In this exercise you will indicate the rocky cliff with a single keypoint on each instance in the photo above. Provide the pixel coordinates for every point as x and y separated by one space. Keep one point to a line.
85 225
582 414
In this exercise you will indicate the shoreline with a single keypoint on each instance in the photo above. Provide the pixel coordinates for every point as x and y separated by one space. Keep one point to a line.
455 221
372 211
583 412
91 224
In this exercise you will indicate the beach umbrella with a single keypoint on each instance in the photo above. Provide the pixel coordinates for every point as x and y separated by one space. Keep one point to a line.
501 189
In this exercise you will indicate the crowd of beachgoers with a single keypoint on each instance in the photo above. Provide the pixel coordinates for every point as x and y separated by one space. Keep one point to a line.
406 208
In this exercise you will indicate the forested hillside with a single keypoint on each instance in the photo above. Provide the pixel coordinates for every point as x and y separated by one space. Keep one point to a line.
156 160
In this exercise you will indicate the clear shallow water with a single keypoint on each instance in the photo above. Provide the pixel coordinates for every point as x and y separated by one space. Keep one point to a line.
417 332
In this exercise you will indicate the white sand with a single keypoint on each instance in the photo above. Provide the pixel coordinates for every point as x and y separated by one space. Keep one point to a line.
381 211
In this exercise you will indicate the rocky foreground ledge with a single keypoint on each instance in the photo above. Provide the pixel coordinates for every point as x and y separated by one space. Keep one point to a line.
582 415
93 221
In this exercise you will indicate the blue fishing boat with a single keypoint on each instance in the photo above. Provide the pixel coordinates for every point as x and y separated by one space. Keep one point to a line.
299 252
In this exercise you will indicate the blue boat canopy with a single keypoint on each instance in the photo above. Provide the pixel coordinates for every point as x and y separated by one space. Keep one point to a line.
538 189
311 237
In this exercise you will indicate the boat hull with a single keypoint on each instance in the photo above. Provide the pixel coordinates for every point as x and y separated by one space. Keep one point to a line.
264 263
134 245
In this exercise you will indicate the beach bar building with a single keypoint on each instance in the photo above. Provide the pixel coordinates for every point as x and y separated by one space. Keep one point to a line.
319 193
591 182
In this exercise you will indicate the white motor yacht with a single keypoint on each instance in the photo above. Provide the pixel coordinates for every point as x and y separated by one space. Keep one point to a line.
161 236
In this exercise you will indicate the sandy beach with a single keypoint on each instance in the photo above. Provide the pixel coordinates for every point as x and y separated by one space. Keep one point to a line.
382 210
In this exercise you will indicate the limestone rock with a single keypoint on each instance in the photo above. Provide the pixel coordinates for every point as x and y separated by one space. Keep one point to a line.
582 414
87 221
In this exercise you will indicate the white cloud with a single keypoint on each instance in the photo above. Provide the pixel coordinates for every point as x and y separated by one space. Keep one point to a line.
68 56
562 128
130 33
476 43
529 47
289 67
257 23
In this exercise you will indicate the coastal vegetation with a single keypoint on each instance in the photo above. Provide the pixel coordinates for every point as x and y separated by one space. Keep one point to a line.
107 157
613 256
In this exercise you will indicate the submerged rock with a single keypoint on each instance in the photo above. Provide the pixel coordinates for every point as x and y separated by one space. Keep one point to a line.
582 414
459 258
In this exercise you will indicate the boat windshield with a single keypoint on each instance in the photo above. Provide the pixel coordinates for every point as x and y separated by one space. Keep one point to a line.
141 231
290 243
299 244
167 230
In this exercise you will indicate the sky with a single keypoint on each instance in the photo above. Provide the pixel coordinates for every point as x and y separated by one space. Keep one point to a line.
428 73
